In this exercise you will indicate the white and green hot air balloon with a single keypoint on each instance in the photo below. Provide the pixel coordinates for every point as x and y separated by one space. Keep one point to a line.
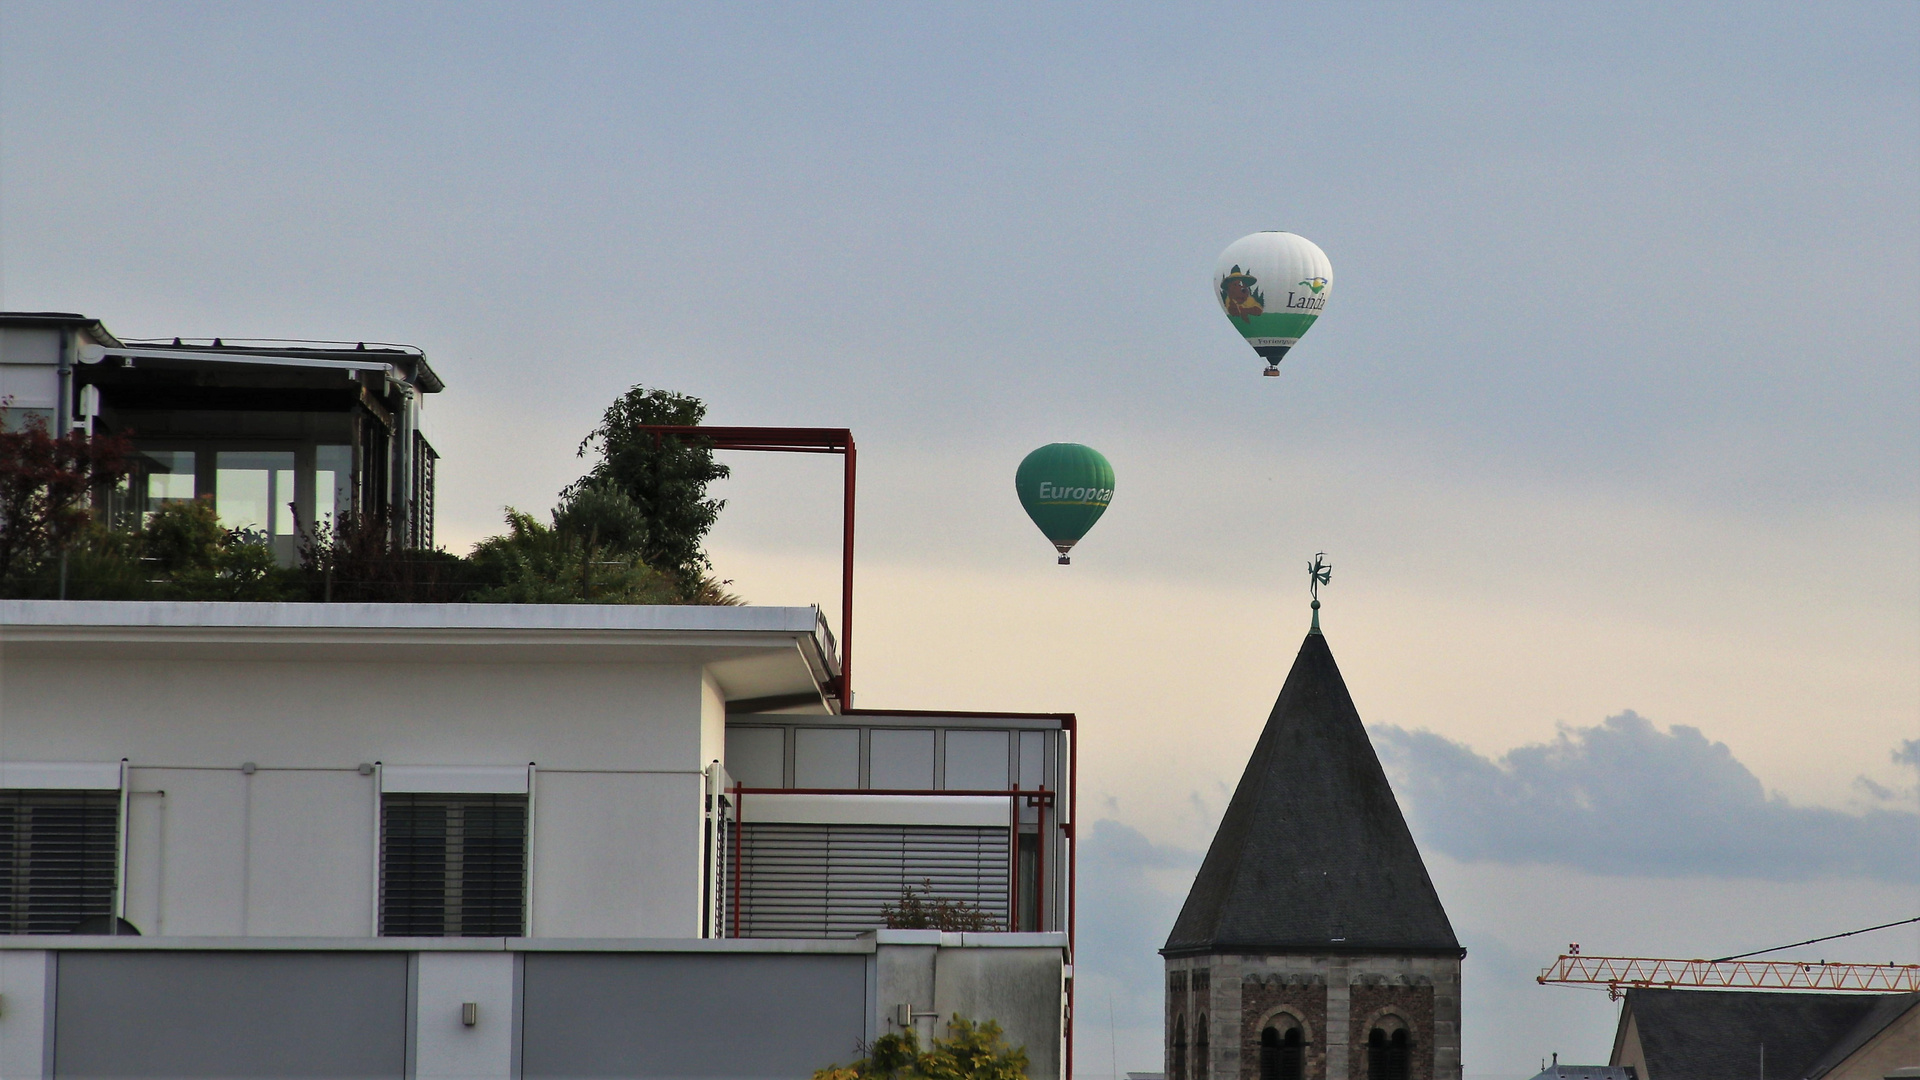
1273 285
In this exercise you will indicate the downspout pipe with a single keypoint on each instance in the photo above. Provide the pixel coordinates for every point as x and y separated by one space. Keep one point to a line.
402 487
63 422
63 401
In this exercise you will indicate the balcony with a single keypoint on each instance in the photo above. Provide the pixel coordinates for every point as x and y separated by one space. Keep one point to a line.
817 823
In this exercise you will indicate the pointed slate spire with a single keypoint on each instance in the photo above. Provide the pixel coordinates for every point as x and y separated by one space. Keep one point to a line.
1313 854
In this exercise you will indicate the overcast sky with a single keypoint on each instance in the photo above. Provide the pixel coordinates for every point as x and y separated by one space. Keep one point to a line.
1609 427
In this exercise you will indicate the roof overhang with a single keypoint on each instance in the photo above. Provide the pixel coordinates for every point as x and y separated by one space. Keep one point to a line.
751 652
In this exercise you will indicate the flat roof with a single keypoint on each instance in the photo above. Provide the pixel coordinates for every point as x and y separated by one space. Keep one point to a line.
557 617
752 652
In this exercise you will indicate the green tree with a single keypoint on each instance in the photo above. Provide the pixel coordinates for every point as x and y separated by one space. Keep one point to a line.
198 559
665 477
591 554
969 1052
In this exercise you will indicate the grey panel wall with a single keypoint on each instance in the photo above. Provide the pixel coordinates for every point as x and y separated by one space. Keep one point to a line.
592 1015
230 1014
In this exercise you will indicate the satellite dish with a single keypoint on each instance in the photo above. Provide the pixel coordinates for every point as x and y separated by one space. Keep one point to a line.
1273 285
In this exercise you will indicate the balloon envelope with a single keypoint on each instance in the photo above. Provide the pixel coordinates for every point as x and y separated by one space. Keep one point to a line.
1065 487
1273 285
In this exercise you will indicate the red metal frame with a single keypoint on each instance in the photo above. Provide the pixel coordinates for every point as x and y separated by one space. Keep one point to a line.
840 441
795 440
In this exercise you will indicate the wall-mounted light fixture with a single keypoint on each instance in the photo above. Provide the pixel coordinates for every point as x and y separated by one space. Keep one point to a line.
470 1013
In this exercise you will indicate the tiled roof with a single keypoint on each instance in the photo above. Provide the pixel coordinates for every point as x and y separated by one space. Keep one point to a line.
1313 853
1716 1034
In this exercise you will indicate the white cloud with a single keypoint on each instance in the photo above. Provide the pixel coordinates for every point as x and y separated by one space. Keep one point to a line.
1624 797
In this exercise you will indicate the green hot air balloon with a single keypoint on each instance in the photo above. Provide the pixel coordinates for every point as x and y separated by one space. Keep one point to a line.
1065 488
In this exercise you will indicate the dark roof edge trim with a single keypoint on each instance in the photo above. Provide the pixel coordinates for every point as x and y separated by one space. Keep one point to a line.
1311 950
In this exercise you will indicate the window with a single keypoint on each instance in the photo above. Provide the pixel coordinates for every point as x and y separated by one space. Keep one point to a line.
453 865
59 855
1200 1049
253 492
1177 1068
1283 1052
757 756
826 758
332 488
1388 1056
976 761
900 760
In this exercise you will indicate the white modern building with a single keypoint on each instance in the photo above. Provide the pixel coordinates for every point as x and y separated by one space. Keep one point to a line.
498 841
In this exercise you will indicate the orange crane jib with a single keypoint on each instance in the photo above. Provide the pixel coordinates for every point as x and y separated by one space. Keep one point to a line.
1621 972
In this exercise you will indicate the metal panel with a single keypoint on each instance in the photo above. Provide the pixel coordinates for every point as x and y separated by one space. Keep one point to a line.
62 775
864 809
588 1015
455 779
230 1014
798 880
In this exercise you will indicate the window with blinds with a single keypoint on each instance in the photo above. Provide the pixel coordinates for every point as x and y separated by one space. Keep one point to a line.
453 865
59 853
831 880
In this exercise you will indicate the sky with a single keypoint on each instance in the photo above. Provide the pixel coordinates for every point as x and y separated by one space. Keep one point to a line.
1609 427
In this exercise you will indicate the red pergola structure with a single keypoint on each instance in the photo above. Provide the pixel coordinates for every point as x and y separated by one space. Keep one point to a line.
796 440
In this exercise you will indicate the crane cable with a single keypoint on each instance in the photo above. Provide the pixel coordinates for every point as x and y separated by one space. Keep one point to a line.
1814 941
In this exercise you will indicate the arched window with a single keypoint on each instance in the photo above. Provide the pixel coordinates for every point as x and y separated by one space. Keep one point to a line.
1177 1068
1200 1049
1389 1057
1283 1053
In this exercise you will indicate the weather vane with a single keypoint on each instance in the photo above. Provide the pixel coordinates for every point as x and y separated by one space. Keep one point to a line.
1319 572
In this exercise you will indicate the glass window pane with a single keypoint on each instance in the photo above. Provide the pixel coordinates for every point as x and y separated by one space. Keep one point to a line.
826 758
1033 760
332 484
757 757
976 760
253 492
902 760
157 478
169 477
250 486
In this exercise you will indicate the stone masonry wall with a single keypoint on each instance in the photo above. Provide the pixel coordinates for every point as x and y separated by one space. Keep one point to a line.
1413 1004
1306 996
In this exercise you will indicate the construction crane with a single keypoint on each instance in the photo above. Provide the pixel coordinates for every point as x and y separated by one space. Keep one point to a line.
1621 972
1617 973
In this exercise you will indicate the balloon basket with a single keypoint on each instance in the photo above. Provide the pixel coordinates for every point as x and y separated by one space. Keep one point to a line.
1064 561
1272 371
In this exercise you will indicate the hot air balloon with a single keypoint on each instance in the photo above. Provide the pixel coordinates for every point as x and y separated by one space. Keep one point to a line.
1272 286
1065 488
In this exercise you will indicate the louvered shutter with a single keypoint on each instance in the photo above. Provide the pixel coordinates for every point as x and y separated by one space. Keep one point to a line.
59 854
831 880
453 865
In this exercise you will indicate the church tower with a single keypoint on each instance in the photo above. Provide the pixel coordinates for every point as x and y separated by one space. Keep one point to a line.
1312 945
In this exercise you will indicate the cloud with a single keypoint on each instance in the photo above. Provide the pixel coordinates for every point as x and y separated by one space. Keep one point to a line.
1130 890
1626 798
1908 753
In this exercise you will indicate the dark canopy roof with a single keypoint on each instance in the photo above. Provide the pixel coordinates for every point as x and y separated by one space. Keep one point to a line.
1714 1034
1313 854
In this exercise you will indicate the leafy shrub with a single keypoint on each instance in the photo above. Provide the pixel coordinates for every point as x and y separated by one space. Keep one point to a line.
969 1052
926 911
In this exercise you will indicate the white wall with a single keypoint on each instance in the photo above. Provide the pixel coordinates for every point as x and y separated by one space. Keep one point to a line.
290 849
